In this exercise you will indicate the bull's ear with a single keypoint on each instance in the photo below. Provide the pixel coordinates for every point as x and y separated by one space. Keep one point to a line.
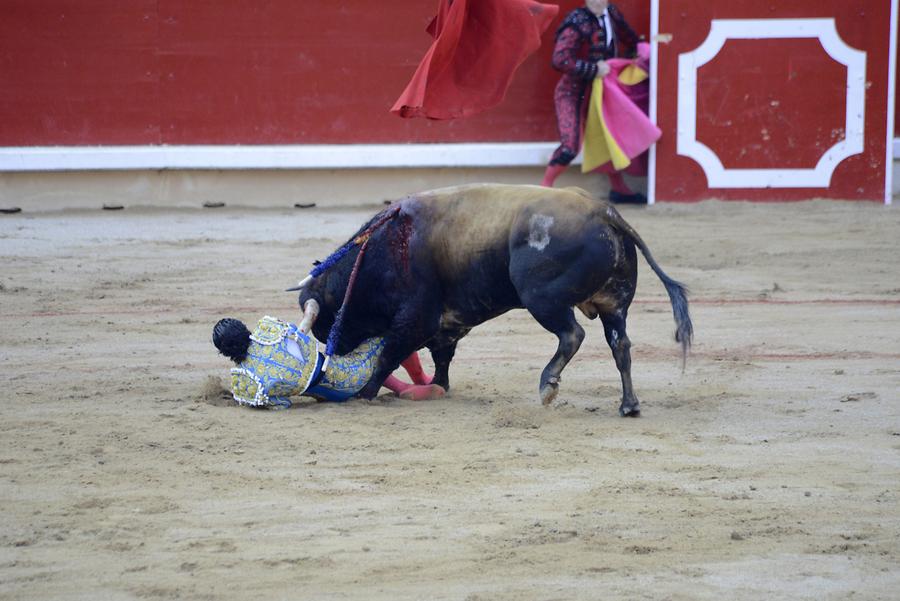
317 262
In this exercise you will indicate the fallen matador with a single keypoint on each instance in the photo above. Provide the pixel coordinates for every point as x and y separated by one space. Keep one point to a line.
279 360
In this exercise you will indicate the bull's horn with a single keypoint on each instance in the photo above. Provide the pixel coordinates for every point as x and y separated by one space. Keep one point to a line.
302 283
310 313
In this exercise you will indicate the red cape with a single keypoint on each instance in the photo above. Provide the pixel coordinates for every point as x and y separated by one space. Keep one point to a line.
478 46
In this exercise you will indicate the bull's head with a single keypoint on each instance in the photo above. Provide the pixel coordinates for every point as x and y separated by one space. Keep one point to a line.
310 309
317 314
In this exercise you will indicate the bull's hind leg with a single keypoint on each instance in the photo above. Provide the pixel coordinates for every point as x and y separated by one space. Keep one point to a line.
614 326
560 321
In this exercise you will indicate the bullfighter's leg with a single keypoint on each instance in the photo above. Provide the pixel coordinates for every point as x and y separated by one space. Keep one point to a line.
413 367
413 392
398 348
619 191
614 327
560 321
395 384
421 389
394 351
422 392
569 97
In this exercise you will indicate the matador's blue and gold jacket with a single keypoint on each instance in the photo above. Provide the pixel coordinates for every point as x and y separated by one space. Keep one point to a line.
271 374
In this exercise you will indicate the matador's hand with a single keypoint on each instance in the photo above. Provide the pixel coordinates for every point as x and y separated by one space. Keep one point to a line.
602 69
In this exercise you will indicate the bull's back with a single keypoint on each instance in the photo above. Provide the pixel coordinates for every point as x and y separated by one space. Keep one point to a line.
469 225
469 232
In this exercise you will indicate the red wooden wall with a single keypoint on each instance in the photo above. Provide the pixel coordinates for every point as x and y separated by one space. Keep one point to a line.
776 103
110 72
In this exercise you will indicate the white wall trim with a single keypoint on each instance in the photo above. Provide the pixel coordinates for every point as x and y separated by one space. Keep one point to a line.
312 156
724 29
891 151
654 71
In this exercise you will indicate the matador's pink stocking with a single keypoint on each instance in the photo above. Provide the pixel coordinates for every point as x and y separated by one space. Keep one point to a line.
414 368
414 392
551 173
616 181
422 388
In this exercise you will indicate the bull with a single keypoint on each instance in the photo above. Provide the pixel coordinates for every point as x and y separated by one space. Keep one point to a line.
444 261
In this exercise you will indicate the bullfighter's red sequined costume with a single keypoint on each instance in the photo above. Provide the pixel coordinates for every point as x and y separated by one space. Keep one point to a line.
581 41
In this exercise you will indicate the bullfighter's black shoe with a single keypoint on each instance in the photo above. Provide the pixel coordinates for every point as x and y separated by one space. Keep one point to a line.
627 199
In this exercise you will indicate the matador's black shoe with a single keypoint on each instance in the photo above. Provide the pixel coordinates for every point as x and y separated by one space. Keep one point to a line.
627 199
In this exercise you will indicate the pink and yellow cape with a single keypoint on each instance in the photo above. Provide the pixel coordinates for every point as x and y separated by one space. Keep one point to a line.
618 130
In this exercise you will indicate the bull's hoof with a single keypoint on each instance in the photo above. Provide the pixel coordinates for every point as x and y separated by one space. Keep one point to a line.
549 393
630 410
424 392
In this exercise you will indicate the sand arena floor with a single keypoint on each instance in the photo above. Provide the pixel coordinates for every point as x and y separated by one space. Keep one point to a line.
769 469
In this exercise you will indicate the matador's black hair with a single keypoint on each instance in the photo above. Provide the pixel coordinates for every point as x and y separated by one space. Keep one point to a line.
232 338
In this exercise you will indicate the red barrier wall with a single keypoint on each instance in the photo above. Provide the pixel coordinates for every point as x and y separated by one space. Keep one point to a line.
108 72
777 103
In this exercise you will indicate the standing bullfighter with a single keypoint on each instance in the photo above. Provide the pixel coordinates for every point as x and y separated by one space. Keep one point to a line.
586 39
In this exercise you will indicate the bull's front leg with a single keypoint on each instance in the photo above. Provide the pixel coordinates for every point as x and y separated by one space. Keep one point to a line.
395 352
442 357
443 348
388 361
407 331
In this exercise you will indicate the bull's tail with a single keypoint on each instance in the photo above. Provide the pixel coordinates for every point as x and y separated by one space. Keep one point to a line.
684 329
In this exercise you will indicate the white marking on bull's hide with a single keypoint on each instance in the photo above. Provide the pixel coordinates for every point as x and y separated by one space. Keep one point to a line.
539 231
